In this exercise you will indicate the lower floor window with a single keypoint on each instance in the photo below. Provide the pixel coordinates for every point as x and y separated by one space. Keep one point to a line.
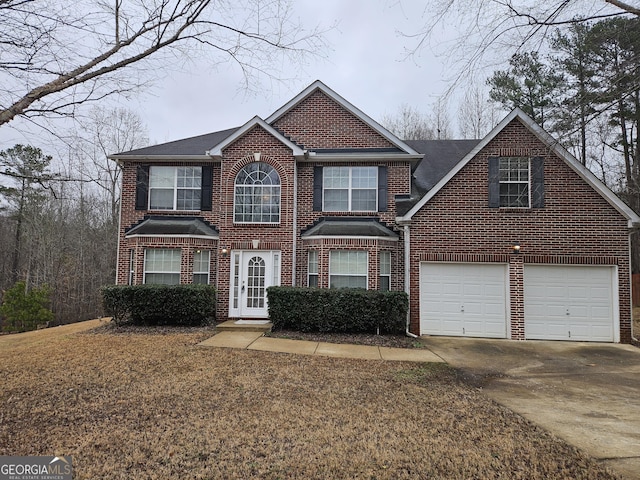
162 266
348 269
201 260
384 283
312 266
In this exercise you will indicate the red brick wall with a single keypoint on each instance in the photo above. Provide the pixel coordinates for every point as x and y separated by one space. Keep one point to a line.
129 216
319 122
576 225
240 236
398 182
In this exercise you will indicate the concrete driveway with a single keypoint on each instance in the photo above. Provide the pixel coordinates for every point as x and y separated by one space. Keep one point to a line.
585 393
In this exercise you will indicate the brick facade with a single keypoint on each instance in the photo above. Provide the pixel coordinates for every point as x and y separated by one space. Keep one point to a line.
576 226
319 122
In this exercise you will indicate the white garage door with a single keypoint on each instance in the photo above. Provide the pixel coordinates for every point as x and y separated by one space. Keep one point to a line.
569 303
463 299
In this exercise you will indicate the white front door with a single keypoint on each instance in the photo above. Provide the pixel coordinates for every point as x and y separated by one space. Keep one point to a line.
252 272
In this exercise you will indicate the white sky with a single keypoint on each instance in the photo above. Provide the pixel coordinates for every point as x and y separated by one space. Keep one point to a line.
366 64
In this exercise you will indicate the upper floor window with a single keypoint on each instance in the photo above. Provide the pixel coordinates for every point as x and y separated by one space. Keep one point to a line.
350 189
257 194
175 188
514 182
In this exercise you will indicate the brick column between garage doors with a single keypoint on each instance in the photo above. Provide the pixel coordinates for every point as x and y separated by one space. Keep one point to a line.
516 295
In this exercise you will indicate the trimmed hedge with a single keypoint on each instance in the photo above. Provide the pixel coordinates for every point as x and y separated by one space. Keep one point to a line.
160 304
337 310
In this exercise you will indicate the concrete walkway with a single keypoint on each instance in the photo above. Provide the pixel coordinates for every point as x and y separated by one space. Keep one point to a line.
256 341
585 393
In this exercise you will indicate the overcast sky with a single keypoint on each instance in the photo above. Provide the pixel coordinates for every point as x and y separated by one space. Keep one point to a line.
366 63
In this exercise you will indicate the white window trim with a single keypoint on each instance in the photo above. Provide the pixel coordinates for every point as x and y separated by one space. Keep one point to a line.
279 187
175 189
145 271
208 270
366 275
380 274
350 189
509 182
132 266
315 274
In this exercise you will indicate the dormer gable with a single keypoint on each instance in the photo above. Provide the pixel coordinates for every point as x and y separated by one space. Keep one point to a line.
517 115
322 122
217 150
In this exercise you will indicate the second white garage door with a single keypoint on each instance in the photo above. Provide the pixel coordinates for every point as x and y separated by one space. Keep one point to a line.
569 303
463 299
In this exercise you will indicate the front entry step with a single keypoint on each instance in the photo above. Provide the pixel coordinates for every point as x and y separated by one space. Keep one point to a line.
244 326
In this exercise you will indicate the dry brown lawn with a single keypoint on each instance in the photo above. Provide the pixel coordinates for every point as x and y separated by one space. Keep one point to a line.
157 406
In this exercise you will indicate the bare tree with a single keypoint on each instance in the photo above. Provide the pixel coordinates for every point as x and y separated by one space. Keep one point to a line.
440 118
57 55
492 30
409 124
107 131
476 115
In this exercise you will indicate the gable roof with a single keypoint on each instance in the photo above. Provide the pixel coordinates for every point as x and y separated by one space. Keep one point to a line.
440 156
554 146
216 149
192 148
402 146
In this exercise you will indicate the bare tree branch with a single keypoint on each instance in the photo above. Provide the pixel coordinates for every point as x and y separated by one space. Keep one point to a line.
94 48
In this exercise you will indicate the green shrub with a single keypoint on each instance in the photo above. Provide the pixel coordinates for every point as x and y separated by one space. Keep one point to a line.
337 310
160 304
24 309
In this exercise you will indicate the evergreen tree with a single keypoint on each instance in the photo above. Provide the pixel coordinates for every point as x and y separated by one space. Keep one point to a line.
24 309
530 85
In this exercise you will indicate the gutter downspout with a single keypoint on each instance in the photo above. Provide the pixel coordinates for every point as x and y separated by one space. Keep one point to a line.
295 222
634 335
407 276
121 167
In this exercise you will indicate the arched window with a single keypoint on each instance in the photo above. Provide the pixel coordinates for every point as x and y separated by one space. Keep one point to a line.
257 194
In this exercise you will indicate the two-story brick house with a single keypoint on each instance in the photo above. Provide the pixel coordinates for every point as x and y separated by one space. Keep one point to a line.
319 194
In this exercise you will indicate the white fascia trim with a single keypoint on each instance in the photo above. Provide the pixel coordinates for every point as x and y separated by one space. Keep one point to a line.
163 158
347 237
216 151
359 157
318 85
201 237
552 143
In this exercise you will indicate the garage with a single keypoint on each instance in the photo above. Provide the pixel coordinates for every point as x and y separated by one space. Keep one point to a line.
570 302
463 299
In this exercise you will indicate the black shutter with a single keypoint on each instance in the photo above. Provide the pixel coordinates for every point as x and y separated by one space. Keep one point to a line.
494 182
142 187
207 188
317 189
382 189
537 182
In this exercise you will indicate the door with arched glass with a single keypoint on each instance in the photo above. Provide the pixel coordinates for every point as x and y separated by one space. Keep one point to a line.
252 272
